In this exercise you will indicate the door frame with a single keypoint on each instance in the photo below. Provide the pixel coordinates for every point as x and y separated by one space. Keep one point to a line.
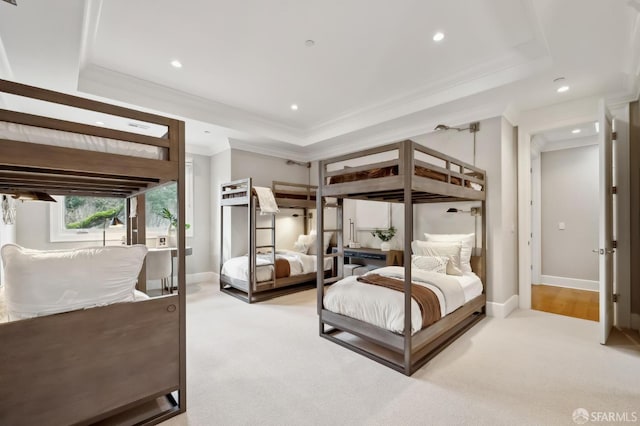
530 123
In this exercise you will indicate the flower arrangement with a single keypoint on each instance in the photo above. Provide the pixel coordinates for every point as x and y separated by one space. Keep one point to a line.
384 234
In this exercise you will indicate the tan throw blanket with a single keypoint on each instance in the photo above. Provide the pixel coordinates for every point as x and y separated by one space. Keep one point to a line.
424 297
283 268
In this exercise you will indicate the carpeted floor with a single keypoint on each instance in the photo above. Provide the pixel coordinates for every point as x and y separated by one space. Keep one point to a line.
264 364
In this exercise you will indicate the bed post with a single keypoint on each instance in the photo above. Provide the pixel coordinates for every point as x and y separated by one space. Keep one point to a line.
178 142
320 236
221 258
483 275
406 151
139 236
251 229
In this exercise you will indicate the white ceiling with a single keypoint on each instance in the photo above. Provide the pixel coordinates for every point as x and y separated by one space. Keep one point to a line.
373 72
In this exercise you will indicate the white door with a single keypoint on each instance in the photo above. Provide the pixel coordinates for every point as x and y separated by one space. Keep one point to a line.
605 249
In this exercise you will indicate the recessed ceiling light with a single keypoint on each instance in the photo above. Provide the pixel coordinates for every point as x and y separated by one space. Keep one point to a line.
176 63
99 123
576 131
438 36
562 89
294 107
309 43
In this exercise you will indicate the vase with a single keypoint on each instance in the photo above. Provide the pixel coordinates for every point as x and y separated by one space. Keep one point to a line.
173 237
385 246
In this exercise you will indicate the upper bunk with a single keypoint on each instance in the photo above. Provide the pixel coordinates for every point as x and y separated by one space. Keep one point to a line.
68 157
383 173
287 194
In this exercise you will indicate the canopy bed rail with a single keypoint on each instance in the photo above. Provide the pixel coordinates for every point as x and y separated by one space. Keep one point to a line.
100 363
61 156
381 174
408 173
266 275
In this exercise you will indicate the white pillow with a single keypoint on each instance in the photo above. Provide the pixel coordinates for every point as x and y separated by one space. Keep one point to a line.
313 249
449 250
467 240
430 263
48 282
304 243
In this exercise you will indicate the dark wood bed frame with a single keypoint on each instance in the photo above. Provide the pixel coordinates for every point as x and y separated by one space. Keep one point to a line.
288 195
117 364
403 352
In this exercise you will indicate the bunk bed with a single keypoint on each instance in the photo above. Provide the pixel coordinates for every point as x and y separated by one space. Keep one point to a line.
265 272
122 363
408 173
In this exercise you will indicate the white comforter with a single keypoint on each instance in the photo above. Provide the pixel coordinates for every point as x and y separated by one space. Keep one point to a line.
384 307
300 263
4 316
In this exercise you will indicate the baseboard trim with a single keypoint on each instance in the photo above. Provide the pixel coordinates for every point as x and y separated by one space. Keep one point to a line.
635 322
570 283
201 277
502 310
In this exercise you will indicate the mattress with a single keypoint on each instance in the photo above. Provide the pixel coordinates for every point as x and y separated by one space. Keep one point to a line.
384 307
393 171
39 135
138 295
299 264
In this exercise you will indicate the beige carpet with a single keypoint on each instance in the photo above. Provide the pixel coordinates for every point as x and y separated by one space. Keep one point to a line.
264 364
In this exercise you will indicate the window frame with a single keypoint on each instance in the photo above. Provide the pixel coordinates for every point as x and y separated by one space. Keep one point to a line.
58 232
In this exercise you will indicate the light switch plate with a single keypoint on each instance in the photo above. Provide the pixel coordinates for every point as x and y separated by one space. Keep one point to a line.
561 226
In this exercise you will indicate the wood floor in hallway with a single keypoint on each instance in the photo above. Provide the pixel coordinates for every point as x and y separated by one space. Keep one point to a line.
565 301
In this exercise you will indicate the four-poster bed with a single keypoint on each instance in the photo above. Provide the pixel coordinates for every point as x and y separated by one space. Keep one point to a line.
262 276
122 363
407 173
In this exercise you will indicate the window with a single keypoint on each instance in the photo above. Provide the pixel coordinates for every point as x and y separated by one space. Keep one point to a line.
76 218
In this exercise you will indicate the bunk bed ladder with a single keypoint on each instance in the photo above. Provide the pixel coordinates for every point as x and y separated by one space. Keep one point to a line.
338 256
253 249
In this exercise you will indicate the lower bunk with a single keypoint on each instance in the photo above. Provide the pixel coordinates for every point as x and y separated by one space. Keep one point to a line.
81 345
89 365
291 272
369 319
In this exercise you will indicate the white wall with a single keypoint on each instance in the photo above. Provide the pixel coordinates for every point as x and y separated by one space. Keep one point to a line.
220 173
200 260
263 169
569 191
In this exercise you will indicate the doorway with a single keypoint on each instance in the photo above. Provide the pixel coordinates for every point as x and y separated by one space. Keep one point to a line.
564 221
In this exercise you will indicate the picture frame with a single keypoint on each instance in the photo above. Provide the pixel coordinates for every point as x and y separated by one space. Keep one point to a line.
162 241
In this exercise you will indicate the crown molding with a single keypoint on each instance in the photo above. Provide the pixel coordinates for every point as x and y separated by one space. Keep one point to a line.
385 133
208 150
110 84
272 149
90 22
438 93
